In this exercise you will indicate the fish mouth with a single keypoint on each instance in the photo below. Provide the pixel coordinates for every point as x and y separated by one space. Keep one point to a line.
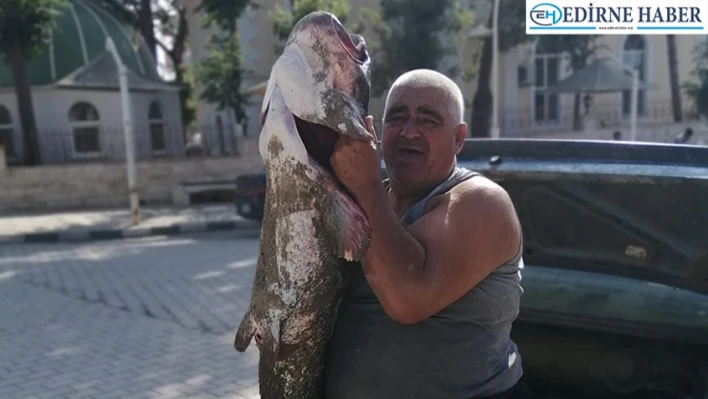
353 45
319 141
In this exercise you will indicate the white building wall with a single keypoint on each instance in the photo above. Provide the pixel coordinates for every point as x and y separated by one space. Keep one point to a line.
51 107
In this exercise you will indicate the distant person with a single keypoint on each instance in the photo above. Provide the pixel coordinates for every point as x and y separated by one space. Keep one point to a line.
617 135
684 137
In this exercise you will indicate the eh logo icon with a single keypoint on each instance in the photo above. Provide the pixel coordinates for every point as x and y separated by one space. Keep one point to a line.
546 14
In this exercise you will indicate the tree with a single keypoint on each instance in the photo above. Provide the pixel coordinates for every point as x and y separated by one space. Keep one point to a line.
412 34
283 22
224 13
221 72
173 25
25 25
140 14
697 90
512 32
579 48
169 18
674 78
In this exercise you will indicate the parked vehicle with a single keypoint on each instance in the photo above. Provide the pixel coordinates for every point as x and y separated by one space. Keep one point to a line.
615 301
249 197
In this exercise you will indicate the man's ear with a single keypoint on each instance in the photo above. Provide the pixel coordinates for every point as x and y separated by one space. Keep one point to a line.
460 135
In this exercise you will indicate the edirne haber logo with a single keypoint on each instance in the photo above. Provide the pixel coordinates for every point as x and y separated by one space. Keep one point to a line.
616 17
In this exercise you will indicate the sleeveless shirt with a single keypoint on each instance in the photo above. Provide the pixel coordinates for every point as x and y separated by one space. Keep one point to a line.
464 351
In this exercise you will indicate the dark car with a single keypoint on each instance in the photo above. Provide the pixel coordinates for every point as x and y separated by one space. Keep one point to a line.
249 197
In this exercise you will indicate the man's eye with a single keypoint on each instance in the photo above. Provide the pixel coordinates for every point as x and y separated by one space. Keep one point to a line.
392 119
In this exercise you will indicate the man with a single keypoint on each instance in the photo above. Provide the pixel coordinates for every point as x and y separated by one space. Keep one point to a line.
429 309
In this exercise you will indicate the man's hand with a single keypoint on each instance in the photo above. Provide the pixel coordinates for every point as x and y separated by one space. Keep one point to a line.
357 163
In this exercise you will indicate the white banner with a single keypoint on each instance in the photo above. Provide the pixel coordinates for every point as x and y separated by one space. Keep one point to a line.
616 17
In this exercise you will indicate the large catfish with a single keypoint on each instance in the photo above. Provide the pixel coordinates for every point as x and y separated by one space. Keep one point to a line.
318 89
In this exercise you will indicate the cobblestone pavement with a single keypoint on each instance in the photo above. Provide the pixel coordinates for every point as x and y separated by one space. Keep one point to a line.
143 318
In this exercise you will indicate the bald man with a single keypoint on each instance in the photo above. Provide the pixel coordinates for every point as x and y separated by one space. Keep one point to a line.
429 309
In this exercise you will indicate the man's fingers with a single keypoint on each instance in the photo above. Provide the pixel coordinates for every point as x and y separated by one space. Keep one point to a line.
370 125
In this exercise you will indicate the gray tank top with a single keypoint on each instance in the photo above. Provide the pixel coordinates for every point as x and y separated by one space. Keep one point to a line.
462 352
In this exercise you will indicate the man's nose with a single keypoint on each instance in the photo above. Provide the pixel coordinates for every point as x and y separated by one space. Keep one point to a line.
410 129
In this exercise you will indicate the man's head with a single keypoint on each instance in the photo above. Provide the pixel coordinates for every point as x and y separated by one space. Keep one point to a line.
423 128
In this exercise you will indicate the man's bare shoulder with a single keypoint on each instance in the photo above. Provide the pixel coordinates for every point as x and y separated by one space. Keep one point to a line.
477 209
466 234
478 194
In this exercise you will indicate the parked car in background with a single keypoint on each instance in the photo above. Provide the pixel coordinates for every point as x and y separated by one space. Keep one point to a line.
249 197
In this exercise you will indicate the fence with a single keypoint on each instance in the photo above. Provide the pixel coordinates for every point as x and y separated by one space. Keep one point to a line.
539 122
94 143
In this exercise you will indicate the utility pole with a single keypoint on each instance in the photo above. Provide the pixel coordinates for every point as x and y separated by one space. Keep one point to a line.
127 132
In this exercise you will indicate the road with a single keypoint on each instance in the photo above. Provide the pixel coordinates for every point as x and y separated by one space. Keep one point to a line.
143 318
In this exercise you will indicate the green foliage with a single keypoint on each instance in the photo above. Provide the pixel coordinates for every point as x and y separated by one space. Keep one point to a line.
512 24
221 73
223 13
697 89
412 34
283 22
189 105
27 21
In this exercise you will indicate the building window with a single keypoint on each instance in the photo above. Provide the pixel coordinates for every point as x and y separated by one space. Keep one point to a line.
156 124
7 131
84 122
547 70
634 55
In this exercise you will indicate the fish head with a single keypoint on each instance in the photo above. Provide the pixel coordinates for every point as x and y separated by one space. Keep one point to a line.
323 80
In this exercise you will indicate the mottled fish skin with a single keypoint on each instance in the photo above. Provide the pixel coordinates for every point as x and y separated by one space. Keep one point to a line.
310 228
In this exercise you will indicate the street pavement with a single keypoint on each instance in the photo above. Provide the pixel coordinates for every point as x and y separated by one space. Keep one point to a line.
117 223
149 317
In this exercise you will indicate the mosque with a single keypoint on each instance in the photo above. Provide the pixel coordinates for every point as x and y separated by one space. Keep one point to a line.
76 94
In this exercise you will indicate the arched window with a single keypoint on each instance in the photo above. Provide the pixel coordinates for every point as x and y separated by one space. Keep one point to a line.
547 61
634 55
157 128
84 123
7 133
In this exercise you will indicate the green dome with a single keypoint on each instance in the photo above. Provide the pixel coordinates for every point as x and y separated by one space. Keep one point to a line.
78 38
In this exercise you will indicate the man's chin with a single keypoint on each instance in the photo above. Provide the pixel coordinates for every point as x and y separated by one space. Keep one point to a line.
404 175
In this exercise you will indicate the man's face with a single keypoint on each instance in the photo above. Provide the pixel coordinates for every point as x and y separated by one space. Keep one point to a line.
420 139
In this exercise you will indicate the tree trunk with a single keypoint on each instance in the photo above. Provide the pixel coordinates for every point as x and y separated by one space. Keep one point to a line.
25 107
577 117
674 79
147 28
482 102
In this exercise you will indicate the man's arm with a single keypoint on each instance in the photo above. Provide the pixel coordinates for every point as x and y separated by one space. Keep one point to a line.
464 236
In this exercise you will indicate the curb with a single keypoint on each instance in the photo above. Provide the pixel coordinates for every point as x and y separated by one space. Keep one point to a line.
245 229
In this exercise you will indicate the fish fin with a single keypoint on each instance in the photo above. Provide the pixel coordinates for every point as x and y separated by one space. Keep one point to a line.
347 225
266 332
245 332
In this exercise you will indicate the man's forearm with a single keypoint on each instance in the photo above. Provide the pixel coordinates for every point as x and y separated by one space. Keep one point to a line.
394 262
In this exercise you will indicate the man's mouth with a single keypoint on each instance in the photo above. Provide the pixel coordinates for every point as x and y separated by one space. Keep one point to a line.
408 153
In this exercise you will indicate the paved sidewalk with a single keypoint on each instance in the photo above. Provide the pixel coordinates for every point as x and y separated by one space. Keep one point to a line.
116 224
148 318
